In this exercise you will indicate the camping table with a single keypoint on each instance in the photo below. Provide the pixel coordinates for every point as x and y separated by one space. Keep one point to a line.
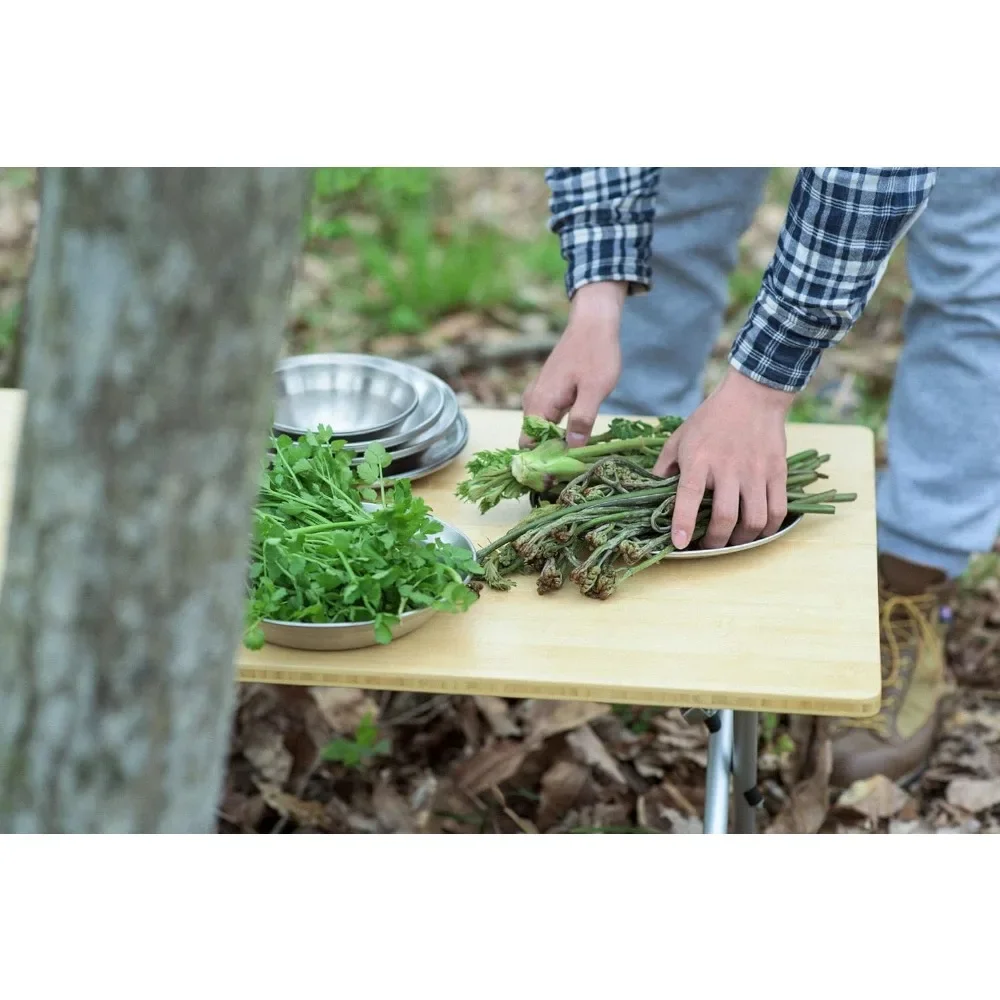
790 627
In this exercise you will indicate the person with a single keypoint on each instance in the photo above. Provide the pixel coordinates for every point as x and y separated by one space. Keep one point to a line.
648 254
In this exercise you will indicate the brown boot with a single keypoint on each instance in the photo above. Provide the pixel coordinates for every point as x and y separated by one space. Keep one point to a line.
898 741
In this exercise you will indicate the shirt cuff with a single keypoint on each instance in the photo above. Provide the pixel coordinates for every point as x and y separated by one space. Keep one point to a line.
777 345
595 254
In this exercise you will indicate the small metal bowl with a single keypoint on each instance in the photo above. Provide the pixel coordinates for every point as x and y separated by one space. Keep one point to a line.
356 635
355 398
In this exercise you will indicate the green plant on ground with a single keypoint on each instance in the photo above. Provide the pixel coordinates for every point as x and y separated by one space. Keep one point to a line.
416 262
635 718
353 753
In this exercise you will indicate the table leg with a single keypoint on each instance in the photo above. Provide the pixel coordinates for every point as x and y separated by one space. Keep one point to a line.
745 795
720 757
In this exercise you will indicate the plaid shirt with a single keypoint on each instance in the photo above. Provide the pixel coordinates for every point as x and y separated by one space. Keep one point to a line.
842 225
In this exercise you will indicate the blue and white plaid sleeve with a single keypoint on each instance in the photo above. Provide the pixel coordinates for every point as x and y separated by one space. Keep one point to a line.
842 225
604 219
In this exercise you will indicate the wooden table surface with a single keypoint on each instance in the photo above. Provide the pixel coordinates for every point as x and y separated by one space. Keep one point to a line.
788 627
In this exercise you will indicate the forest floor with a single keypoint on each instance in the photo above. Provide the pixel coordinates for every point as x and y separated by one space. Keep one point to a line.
455 268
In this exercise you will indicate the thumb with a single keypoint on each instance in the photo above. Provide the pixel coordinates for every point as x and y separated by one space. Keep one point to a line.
668 457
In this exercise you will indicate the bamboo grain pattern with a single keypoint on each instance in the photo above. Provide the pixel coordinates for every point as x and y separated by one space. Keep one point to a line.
789 627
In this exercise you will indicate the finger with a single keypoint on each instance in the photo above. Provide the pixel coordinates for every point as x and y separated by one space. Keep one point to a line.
666 464
690 492
725 512
539 401
582 415
777 499
753 511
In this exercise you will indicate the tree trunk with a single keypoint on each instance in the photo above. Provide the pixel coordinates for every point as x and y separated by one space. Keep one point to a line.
155 311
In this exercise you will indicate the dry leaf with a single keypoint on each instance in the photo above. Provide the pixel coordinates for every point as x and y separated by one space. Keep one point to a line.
876 797
545 719
391 810
560 786
592 752
524 825
974 795
492 765
309 814
909 826
496 711
264 747
679 823
422 799
808 802
343 708
242 810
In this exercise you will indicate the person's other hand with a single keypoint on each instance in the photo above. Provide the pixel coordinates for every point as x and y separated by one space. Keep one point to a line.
733 444
584 365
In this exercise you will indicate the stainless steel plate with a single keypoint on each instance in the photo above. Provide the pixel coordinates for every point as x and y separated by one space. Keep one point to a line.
354 397
432 397
355 635
729 550
443 424
443 452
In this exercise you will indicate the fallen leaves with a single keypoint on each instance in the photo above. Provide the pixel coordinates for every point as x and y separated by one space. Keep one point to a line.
545 719
309 815
560 787
591 751
809 801
875 798
974 795
497 713
493 765
343 709
264 748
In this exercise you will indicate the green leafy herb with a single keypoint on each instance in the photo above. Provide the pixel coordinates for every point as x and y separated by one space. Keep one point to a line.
318 555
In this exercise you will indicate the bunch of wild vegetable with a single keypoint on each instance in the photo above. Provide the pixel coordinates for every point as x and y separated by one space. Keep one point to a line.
614 521
318 555
509 473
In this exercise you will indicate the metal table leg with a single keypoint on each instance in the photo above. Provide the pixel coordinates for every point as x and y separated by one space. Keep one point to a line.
720 756
745 794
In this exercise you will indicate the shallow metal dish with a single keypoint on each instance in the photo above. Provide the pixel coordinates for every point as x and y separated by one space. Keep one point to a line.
355 398
442 453
356 635
790 523
422 442
432 395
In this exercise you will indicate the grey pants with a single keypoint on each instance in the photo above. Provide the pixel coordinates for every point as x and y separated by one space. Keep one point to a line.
939 501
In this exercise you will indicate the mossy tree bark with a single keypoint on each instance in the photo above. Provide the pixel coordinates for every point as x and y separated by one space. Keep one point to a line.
155 311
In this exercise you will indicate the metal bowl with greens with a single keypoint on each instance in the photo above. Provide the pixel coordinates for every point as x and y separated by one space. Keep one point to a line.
331 549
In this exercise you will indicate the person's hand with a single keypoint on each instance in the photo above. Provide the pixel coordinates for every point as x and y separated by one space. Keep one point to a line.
583 367
733 444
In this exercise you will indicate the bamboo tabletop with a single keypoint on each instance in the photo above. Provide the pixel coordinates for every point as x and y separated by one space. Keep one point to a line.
787 627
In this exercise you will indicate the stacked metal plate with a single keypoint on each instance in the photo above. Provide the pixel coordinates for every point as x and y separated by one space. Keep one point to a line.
365 399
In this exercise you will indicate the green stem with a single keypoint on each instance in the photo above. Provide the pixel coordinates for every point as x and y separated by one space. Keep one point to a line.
588 452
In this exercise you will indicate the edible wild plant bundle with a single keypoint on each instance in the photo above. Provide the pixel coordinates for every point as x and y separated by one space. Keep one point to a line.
614 520
509 473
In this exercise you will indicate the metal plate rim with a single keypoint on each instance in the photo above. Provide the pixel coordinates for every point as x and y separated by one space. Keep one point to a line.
421 472
733 549
362 361
402 368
